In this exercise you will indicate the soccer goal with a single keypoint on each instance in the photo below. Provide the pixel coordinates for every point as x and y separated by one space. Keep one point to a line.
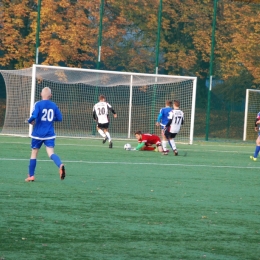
137 99
252 107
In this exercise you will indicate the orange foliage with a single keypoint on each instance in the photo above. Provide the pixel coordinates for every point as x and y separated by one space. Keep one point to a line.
69 35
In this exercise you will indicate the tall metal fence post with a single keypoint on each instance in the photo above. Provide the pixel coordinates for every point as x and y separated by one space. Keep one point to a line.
38 32
156 66
101 12
211 68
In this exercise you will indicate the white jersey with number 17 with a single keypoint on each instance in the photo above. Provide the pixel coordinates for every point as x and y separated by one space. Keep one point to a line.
177 118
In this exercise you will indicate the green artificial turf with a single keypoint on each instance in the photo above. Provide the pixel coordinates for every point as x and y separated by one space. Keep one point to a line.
115 204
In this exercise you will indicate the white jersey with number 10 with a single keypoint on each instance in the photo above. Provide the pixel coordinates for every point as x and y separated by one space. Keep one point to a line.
101 109
177 117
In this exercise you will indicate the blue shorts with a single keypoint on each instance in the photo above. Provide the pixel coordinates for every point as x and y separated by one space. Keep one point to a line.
162 127
36 144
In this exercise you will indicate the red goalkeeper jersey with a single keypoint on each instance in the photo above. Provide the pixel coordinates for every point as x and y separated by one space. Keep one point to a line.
150 139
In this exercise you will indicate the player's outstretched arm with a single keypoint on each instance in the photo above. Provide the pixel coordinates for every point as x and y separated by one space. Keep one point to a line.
139 146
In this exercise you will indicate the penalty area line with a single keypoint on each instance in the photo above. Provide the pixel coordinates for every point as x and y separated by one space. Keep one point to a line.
132 163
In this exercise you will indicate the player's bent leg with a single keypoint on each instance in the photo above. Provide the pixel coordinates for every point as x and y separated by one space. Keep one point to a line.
164 145
164 140
105 137
173 146
103 129
258 140
62 172
148 148
257 149
108 137
34 153
61 166
161 149
170 137
104 140
101 132
56 159
32 165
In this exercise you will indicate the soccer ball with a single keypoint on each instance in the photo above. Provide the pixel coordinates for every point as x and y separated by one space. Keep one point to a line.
127 146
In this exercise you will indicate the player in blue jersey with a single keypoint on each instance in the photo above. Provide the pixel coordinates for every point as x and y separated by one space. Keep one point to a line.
44 114
257 129
162 120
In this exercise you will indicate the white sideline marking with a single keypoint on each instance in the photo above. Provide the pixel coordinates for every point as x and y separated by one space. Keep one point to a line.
131 163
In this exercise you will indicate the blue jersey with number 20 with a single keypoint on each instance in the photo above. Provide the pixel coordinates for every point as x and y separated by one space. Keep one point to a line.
44 114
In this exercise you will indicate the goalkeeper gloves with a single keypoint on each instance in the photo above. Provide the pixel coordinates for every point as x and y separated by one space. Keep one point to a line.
132 149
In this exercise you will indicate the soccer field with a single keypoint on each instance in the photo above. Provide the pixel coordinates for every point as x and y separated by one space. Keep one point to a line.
115 204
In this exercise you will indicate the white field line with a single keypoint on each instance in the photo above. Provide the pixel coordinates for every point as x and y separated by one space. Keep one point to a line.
131 163
185 149
132 140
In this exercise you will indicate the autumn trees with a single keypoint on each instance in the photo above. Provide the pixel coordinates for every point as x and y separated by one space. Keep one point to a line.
69 35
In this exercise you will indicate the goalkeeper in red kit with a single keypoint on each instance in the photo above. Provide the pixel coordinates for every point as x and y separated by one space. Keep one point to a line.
146 142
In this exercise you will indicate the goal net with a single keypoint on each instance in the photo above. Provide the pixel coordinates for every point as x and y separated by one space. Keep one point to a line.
137 99
252 107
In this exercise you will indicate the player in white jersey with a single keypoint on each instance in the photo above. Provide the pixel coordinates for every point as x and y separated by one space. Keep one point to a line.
172 128
100 114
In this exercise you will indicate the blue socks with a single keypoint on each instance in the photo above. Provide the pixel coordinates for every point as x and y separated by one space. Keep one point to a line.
32 166
56 159
257 149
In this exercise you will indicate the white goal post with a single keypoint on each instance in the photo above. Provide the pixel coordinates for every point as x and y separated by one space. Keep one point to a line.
137 99
252 107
